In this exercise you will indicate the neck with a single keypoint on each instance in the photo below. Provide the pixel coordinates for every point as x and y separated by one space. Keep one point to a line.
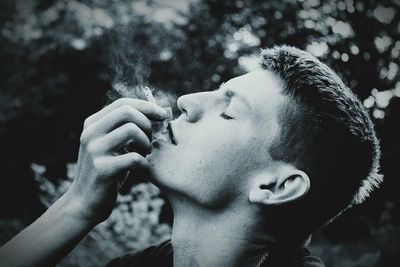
202 237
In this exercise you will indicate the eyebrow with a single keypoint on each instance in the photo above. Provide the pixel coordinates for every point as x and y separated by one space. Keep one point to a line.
230 92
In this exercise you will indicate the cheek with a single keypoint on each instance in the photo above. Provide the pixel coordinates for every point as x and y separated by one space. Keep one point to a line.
219 157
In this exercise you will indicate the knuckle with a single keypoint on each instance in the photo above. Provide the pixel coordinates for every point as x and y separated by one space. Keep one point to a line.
91 147
84 139
98 165
87 121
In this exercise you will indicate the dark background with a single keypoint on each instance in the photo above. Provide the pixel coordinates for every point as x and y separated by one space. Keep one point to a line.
60 59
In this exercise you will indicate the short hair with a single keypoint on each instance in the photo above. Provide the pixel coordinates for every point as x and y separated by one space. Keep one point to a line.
325 131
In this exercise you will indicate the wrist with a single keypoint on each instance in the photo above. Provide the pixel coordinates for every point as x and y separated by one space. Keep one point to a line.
76 209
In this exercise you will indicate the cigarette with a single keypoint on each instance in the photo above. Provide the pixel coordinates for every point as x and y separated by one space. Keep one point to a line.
148 95
159 129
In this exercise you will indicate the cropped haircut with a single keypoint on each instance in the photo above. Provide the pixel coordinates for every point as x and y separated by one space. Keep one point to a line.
326 132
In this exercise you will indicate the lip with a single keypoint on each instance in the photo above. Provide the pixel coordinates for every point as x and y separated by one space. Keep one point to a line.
170 140
171 133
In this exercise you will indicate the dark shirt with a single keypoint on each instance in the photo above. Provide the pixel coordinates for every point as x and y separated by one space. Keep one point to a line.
161 256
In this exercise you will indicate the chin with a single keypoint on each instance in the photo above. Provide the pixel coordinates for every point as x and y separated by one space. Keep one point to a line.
157 170
166 179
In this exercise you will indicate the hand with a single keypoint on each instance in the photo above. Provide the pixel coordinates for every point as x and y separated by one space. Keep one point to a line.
102 167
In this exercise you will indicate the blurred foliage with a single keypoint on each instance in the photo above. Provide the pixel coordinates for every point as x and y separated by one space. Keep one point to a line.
134 222
61 60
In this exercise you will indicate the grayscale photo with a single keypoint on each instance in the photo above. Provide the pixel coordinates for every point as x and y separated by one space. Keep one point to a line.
156 133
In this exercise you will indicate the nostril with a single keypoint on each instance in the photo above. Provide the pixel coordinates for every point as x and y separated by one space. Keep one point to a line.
181 104
189 105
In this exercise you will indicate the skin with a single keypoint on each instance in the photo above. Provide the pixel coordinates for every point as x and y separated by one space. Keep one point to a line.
218 177
217 154
222 156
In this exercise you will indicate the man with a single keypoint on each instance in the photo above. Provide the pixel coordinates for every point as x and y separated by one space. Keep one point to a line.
253 169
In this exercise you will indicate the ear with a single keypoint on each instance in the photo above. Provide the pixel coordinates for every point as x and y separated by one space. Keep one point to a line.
288 185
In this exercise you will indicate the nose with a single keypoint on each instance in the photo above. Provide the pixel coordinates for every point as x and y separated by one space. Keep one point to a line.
191 106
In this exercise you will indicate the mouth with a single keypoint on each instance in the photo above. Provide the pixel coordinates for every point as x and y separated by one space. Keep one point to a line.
171 134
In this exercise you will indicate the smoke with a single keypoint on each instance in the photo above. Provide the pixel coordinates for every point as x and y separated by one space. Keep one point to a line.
129 70
129 59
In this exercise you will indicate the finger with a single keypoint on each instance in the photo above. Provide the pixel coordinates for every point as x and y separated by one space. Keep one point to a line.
121 136
109 166
151 110
117 117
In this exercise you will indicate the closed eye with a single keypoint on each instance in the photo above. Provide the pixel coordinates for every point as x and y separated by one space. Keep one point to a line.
226 117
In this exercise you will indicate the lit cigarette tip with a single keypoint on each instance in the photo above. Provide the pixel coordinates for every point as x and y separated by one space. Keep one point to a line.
150 98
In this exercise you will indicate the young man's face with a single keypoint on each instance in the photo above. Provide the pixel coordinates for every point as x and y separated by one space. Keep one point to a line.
222 140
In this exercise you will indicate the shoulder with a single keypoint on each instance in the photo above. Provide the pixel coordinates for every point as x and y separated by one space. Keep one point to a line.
156 255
